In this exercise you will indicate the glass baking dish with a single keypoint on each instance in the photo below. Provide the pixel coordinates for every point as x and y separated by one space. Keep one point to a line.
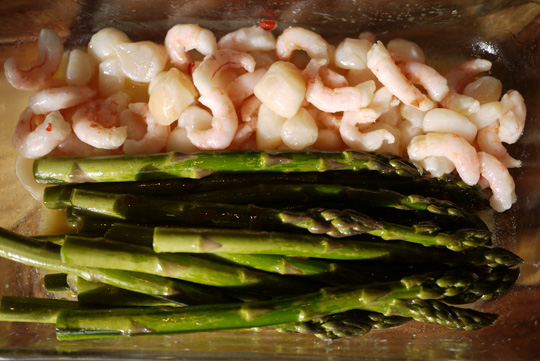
504 32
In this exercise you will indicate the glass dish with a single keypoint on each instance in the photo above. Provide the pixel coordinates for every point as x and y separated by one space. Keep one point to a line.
504 32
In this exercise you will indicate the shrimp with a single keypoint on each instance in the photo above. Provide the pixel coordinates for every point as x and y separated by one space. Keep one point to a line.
51 99
420 73
388 73
249 113
512 120
182 38
332 78
437 166
460 76
451 146
252 38
488 141
297 38
460 103
339 99
73 146
224 123
37 142
358 140
88 126
156 136
500 181
48 61
204 76
243 86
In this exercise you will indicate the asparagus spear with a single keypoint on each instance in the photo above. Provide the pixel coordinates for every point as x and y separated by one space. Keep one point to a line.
32 309
490 285
314 194
223 241
47 256
73 324
122 256
264 193
92 294
332 222
346 324
448 187
56 282
119 168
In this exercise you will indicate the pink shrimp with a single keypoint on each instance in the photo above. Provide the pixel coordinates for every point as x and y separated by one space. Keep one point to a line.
512 120
50 99
296 38
156 136
32 141
47 63
500 181
94 123
182 38
204 76
224 123
420 73
353 135
335 100
246 128
389 74
243 86
461 75
488 141
253 38
451 146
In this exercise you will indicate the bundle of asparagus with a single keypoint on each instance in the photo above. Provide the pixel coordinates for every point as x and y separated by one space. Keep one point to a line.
333 244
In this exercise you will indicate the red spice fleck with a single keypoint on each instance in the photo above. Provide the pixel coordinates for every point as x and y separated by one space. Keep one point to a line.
191 67
267 24
49 127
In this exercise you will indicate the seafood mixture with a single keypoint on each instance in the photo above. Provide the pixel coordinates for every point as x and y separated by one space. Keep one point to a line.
252 89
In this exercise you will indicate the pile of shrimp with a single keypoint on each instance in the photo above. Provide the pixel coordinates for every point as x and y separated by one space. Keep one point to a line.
254 90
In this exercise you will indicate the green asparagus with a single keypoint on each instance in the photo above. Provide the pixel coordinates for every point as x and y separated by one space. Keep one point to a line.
336 223
47 256
56 282
73 324
209 240
122 256
32 309
313 194
119 168
346 324
447 187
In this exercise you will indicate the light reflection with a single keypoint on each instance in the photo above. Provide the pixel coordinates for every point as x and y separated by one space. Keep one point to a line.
487 47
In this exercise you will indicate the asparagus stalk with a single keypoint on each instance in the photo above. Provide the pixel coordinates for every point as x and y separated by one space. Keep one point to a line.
263 194
447 187
92 294
312 194
56 282
494 283
31 309
47 256
120 168
122 256
335 223
346 324
224 241
73 324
